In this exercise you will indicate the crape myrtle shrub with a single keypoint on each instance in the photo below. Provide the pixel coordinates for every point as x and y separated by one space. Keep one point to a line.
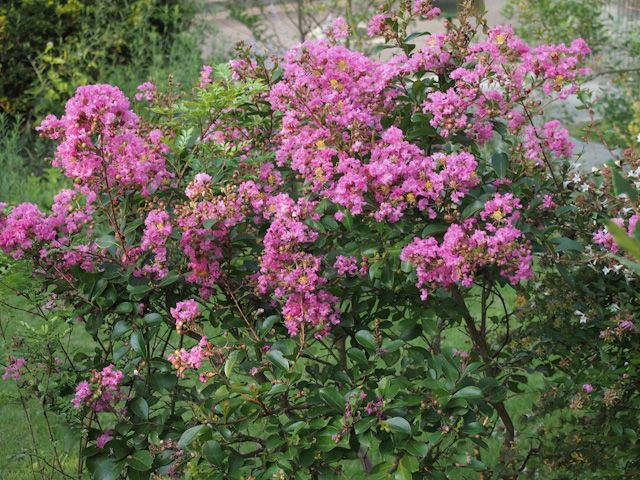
275 266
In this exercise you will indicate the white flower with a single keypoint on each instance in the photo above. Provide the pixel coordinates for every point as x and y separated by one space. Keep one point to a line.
606 270
614 307
583 317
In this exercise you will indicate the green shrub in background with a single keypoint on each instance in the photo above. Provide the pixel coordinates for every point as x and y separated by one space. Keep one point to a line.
48 48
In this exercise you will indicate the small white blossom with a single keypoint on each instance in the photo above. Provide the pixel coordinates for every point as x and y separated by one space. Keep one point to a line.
582 316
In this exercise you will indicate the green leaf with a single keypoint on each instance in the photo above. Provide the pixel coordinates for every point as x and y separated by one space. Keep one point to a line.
104 468
472 208
124 307
140 408
213 452
276 357
232 359
416 448
120 329
366 339
500 163
139 290
268 323
398 425
138 344
152 318
468 393
621 185
189 435
171 278
141 460
566 244
358 356
332 397
163 380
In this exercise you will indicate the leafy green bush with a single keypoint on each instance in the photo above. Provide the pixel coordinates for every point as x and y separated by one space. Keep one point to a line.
327 266
48 48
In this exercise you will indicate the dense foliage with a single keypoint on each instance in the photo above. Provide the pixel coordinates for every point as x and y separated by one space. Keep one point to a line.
329 266
48 48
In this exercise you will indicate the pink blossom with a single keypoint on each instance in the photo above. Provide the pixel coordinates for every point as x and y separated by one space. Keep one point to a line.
339 29
13 370
147 91
103 392
104 438
425 9
205 76
377 25
185 313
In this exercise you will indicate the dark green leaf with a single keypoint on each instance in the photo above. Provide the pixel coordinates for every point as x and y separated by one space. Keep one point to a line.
276 357
332 397
366 339
189 435
141 460
213 452
140 408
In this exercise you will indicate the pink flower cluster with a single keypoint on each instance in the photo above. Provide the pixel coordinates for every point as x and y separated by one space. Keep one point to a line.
469 247
553 138
26 229
335 149
205 223
604 238
349 266
13 370
377 25
100 145
331 97
104 438
191 359
502 71
425 9
205 76
146 91
102 392
185 313
157 229
338 30
292 274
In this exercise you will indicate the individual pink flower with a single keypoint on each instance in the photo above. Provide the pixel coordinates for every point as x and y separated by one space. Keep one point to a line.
104 438
185 313
587 388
